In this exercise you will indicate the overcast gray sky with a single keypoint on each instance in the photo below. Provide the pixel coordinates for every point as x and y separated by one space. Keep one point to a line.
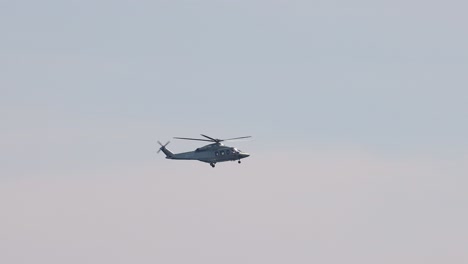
358 111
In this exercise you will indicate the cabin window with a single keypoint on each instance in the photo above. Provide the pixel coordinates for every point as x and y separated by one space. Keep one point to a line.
228 152
217 153
222 152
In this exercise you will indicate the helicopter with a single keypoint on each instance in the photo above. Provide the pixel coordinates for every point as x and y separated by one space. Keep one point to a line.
212 153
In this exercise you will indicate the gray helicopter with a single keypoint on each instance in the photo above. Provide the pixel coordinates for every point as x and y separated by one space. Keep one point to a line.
212 153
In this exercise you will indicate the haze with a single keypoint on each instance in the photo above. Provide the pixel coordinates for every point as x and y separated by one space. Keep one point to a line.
358 112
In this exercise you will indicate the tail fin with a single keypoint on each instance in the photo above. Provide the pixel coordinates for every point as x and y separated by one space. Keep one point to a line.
163 148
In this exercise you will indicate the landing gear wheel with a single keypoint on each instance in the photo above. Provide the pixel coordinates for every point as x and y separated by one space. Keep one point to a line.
212 165
239 161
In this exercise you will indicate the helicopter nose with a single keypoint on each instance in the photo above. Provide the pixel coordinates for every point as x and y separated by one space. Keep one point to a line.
244 155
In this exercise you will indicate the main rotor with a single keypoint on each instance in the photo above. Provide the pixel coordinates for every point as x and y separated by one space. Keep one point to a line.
210 139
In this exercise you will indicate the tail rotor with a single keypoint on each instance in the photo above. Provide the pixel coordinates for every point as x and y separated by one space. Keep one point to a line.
162 146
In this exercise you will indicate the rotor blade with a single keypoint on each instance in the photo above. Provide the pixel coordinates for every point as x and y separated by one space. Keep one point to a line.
236 138
197 139
159 150
213 139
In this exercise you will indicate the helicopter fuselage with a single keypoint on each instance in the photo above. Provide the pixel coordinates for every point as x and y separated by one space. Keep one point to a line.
211 153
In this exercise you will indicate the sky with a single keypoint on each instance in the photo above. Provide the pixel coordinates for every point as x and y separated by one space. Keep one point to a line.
358 112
